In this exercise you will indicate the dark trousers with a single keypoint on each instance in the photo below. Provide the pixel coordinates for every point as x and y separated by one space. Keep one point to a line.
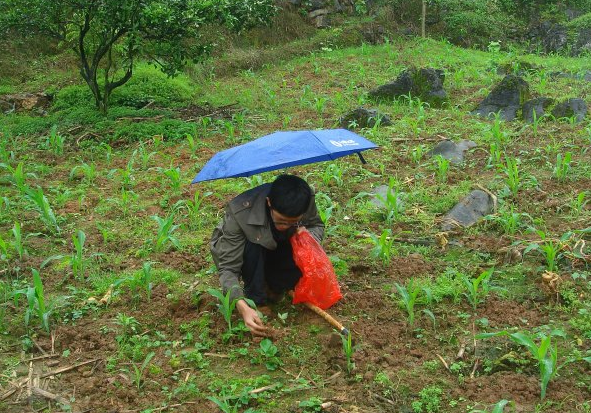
264 269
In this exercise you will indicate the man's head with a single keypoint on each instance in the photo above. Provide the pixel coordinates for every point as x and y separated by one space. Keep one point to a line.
289 196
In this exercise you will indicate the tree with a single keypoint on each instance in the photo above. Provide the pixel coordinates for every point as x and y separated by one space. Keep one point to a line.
110 36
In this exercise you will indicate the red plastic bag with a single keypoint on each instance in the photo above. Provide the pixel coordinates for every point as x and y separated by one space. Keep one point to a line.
318 284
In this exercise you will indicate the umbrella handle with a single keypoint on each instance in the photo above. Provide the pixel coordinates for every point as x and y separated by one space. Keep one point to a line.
330 319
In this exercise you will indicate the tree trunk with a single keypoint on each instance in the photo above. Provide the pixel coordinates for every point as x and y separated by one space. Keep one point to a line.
423 18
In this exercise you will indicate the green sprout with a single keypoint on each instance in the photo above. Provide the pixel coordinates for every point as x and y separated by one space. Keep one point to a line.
165 235
562 167
408 296
348 350
35 301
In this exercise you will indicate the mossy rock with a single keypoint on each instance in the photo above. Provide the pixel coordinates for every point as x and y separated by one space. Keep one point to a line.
425 84
505 99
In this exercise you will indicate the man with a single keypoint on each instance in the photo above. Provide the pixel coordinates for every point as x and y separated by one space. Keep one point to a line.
252 243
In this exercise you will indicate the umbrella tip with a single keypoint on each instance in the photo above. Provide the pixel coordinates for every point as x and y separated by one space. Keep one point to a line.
344 331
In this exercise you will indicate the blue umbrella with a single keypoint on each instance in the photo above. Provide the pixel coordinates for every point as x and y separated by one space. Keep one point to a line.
281 150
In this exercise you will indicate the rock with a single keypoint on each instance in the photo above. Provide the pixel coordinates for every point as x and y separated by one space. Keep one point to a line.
469 210
506 98
538 106
317 4
552 36
451 150
318 12
426 84
25 102
363 118
570 108
519 68
583 43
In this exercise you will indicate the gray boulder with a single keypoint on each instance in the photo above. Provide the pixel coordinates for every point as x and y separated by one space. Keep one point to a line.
469 210
551 36
570 108
425 83
539 106
506 98
363 118
452 151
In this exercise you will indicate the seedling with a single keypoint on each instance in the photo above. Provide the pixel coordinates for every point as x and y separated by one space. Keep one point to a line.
174 175
333 172
417 153
393 205
409 296
40 202
55 141
578 203
139 371
478 288
383 246
225 305
497 408
509 220
511 170
145 278
562 167
319 104
76 260
268 352
550 248
88 172
348 350
145 156
166 228
17 244
4 250
441 168
35 300
495 155
545 354
18 176
129 326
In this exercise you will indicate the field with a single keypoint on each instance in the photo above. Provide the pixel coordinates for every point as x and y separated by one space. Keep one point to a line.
105 264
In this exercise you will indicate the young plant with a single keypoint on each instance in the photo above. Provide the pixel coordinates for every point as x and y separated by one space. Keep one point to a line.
409 296
17 244
392 202
508 220
383 246
545 354
268 352
441 168
88 172
144 155
145 278
225 305
77 260
165 235
348 350
55 141
549 248
418 152
511 170
138 372
174 175
495 155
333 172
4 250
35 301
40 202
577 204
477 289
562 167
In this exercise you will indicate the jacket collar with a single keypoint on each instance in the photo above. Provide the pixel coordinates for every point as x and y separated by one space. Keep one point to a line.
258 213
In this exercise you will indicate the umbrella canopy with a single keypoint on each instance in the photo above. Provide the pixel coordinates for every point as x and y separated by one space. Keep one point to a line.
281 150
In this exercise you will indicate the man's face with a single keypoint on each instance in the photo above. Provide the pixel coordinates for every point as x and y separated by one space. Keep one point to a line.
283 223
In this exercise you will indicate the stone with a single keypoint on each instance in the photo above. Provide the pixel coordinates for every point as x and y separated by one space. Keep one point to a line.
363 118
452 151
538 106
425 83
25 102
506 98
469 210
552 37
318 12
570 108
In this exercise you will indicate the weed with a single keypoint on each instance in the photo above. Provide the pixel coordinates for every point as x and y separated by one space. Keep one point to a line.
383 246
497 408
562 167
165 235
311 405
268 352
429 400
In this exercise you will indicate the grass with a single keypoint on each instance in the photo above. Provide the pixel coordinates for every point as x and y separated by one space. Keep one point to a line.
146 230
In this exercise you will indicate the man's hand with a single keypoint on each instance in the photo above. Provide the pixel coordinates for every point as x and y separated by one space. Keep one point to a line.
252 319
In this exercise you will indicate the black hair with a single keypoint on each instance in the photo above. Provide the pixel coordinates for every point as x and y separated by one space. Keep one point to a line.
290 195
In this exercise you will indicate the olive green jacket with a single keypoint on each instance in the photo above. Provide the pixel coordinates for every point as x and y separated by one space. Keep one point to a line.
246 218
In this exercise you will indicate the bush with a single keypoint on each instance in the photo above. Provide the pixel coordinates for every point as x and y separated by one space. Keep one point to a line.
580 23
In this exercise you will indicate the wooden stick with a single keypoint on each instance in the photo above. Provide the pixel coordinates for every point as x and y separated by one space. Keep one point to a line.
332 321
64 369
443 361
48 395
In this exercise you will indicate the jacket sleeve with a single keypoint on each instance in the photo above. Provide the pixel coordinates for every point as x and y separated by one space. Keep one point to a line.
313 222
227 249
